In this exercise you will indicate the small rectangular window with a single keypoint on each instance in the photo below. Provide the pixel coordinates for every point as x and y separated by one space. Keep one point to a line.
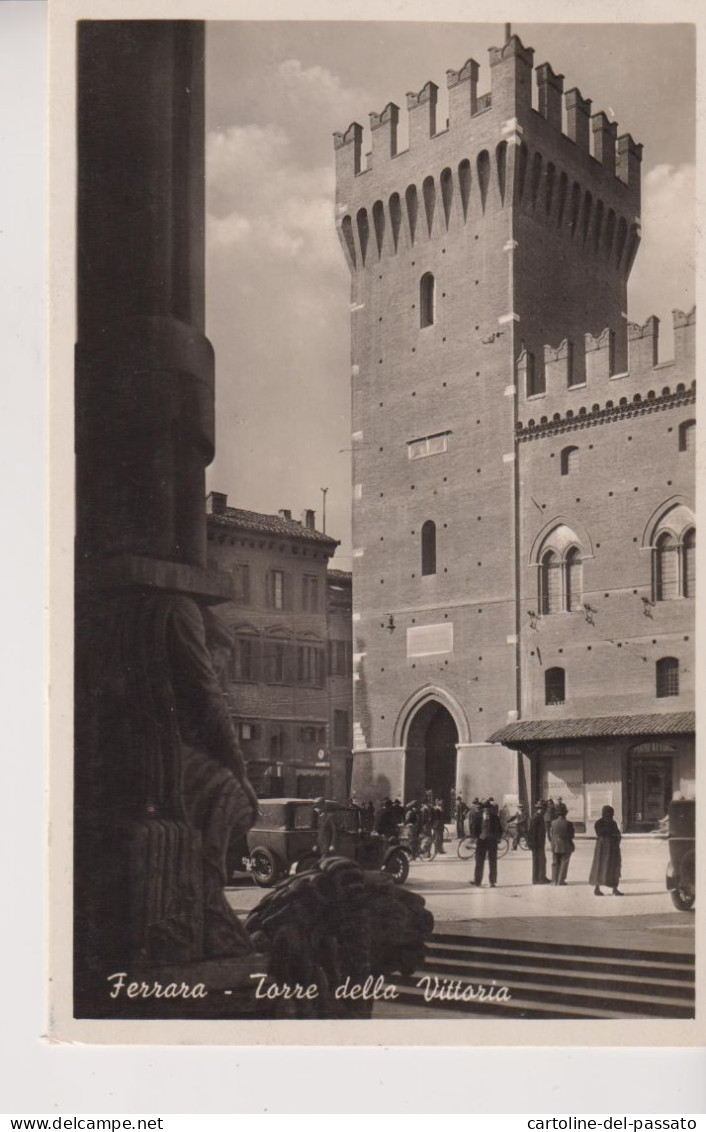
428 445
275 589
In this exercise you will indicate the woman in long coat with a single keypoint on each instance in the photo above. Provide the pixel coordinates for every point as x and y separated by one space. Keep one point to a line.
606 855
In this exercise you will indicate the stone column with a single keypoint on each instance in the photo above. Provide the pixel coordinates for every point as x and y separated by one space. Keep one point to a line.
144 436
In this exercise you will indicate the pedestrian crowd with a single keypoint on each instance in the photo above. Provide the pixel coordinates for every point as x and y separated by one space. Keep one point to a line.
547 830
418 818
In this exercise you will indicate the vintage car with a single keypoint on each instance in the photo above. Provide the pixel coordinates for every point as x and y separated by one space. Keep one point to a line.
294 831
681 871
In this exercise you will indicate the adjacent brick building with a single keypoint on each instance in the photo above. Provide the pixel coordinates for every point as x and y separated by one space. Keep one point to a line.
523 470
286 650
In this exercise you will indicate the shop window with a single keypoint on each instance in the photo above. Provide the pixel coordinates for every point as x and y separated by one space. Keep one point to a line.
554 686
429 547
667 674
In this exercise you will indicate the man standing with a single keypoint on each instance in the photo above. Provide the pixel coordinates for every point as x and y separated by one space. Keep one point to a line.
562 844
460 815
549 815
487 830
437 825
536 838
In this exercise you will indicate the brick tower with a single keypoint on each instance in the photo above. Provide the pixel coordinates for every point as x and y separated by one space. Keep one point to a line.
502 230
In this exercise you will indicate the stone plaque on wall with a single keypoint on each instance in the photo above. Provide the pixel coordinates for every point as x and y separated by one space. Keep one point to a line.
430 640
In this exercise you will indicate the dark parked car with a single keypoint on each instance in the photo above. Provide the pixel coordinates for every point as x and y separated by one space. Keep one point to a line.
681 871
291 832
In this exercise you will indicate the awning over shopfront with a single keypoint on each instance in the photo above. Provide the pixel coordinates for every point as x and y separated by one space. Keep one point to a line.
519 734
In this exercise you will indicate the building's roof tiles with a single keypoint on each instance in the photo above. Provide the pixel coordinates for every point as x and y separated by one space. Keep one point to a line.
268 525
339 576
603 727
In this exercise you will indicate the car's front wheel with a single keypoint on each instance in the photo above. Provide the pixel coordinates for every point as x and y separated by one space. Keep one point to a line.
683 899
397 866
264 867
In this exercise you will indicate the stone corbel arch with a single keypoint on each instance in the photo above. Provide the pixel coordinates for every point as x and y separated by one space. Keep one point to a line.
418 699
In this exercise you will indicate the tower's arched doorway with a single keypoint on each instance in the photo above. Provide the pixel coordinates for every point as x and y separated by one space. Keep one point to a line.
430 763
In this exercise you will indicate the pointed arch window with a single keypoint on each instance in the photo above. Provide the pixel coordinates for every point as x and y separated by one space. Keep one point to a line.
427 290
560 572
554 686
667 677
429 547
674 554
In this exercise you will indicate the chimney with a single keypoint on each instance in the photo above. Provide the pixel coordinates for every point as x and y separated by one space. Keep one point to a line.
216 503
285 513
309 519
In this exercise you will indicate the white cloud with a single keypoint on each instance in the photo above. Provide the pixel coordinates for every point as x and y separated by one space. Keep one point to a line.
663 276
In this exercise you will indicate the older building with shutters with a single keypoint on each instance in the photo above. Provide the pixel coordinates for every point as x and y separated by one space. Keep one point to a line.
284 649
523 464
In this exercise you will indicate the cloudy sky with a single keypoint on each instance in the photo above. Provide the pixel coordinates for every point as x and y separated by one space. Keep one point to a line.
278 288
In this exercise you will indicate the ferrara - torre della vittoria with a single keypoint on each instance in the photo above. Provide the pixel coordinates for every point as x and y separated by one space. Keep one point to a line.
523 464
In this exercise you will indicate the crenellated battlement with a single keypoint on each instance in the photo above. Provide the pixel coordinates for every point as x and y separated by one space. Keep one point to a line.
566 381
585 176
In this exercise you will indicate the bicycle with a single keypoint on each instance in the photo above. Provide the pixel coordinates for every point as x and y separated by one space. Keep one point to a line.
467 847
425 850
